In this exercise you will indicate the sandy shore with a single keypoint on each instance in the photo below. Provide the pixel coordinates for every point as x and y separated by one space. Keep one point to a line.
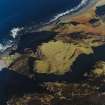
89 8
67 18
100 2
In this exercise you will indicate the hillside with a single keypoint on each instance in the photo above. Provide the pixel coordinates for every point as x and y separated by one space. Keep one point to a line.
66 61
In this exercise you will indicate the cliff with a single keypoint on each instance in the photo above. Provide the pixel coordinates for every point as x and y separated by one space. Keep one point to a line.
67 60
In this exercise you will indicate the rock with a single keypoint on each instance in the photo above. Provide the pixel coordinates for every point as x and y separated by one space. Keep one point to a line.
100 11
8 59
23 65
60 93
2 64
57 57
58 49
99 69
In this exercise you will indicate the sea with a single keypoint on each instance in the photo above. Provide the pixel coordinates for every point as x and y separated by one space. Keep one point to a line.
17 14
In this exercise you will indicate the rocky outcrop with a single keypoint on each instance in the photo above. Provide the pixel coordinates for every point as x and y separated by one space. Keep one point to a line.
58 52
57 57
99 69
63 94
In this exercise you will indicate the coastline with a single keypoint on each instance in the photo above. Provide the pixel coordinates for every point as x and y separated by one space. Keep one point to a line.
88 7
64 57
63 19
68 17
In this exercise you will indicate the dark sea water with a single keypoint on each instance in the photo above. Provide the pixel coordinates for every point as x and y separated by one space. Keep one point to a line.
19 13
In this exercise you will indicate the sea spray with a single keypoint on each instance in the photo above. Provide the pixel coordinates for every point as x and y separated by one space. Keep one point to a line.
82 4
14 32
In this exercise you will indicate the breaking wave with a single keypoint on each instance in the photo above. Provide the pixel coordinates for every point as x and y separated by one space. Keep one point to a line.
4 46
14 31
7 44
82 4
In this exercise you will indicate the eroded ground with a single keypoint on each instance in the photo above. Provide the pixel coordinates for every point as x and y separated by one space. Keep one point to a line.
69 66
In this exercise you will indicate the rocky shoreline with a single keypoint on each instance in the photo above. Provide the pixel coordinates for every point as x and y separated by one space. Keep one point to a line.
63 63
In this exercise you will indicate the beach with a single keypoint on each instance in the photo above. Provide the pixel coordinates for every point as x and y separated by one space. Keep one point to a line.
89 9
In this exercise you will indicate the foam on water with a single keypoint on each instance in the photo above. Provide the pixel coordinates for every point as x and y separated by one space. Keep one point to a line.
3 46
14 32
83 2
7 44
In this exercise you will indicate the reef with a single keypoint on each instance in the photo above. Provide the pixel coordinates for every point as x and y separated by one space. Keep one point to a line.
66 60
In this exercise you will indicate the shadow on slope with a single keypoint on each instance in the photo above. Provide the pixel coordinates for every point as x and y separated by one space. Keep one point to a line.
83 64
13 83
32 40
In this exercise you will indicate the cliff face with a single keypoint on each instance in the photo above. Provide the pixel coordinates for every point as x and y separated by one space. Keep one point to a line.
74 54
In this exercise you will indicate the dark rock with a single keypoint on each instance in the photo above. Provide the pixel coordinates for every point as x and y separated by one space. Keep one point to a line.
32 40
23 65
100 11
